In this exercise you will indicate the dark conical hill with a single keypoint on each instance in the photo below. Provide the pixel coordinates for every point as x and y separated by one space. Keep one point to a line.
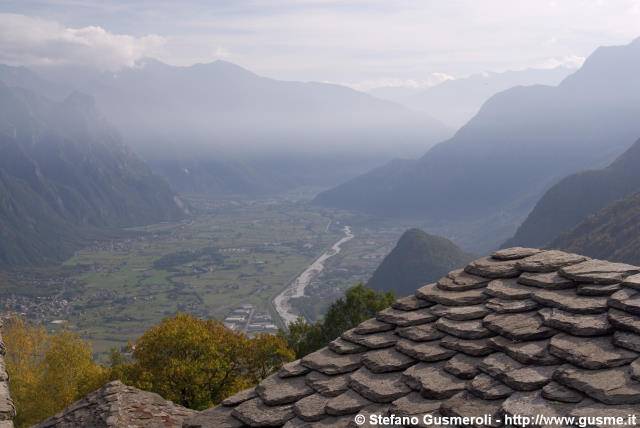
417 259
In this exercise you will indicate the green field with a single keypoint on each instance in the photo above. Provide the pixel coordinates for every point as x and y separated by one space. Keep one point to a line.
227 254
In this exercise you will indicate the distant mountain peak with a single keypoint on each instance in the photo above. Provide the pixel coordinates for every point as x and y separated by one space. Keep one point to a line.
417 259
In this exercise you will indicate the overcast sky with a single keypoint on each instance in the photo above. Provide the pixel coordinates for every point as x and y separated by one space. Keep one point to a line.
364 43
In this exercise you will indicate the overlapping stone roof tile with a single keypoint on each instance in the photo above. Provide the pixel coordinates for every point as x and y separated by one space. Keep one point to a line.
521 332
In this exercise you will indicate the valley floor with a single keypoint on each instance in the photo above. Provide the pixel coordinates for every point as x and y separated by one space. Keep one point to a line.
228 262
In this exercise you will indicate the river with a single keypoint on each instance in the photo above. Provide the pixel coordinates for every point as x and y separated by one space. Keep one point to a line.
298 285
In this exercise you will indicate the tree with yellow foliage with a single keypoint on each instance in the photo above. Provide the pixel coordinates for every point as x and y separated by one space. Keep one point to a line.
198 363
47 372
194 362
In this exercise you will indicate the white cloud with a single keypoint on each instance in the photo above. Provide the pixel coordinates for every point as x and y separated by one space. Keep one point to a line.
569 61
26 40
367 85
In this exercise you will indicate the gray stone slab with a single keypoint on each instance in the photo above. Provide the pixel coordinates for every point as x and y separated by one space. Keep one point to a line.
424 351
595 353
532 404
471 347
534 352
599 272
632 281
568 301
378 387
420 333
528 378
311 408
460 313
215 417
624 321
373 326
239 397
341 346
595 412
459 280
488 388
465 404
514 253
556 392
497 364
328 362
509 289
627 300
489 267
549 280
504 306
275 390
462 366
432 381
410 303
549 261
257 414
609 386
576 324
293 368
597 289
524 326
386 360
371 341
348 403
406 318
414 404
329 386
623 339
473 329
451 298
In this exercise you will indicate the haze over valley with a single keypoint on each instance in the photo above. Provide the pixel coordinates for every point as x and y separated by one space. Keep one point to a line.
272 166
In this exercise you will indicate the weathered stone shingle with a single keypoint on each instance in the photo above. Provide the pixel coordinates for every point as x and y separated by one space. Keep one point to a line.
522 332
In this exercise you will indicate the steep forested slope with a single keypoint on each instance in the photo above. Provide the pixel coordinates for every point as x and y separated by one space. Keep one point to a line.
613 233
578 196
520 143
64 172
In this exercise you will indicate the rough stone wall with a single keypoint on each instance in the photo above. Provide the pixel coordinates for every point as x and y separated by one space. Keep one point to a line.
7 408
118 405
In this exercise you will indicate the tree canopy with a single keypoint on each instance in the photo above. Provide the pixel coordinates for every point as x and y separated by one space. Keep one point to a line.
47 371
359 304
197 363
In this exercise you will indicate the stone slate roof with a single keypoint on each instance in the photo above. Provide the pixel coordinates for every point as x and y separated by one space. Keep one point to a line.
7 409
121 406
522 332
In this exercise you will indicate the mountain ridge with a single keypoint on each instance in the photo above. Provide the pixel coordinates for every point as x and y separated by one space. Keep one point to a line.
613 233
576 197
65 174
217 120
518 145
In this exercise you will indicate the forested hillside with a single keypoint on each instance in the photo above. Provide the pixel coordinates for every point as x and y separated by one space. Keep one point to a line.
578 196
417 259
613 233
64 173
